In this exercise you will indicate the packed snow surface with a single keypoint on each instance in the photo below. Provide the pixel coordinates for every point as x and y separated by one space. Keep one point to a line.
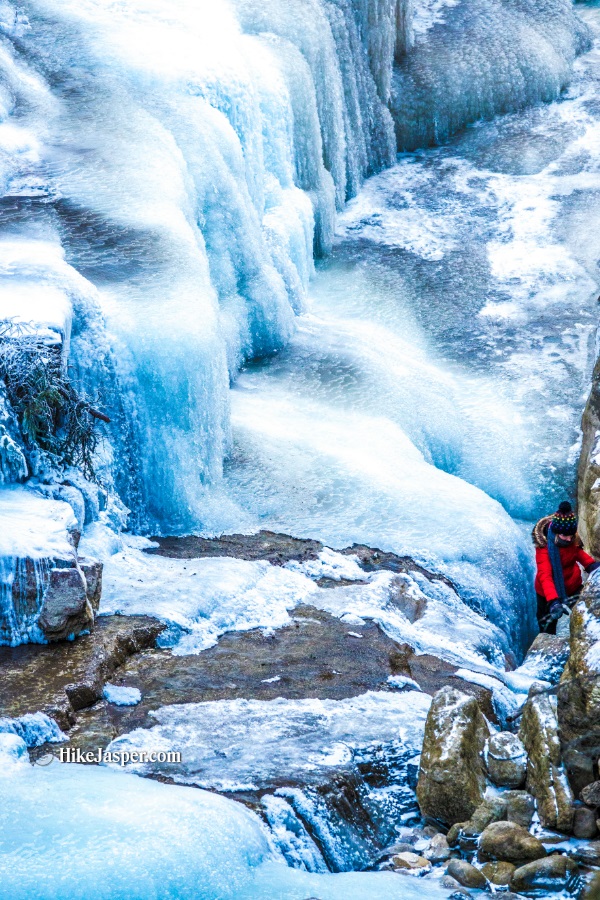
31 525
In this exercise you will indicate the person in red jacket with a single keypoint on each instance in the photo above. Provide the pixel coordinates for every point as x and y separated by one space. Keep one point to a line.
559 558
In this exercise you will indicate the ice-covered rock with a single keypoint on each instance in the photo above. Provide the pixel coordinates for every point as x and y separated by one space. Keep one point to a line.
578 704
546 776
451 775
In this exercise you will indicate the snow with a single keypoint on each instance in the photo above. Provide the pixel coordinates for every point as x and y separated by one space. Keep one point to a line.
201 598
262 740
121 695
400 682
330 564
31 525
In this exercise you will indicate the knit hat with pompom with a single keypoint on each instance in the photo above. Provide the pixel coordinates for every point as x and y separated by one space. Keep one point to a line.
564 520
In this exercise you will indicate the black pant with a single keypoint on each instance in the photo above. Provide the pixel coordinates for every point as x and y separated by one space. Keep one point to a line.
542 611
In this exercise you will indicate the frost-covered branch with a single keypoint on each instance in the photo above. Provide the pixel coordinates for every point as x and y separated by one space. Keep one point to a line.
52 415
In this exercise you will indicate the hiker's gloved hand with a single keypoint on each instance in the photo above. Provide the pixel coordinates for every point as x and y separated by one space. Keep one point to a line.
592 567
555 611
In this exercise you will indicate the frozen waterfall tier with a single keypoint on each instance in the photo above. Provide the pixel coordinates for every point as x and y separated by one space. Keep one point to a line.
479 59
46 592
188 162
113 835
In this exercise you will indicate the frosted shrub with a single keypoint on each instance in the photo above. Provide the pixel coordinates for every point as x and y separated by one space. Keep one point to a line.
52 416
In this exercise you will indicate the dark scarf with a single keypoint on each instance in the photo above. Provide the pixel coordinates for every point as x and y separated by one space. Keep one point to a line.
557 569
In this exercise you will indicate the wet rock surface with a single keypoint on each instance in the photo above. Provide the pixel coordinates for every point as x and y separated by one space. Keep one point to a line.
579 692
550 874
66 677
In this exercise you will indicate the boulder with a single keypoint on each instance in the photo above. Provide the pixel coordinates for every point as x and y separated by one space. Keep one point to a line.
520 807
509 842
71 601
451 776
498 873
411 863
438 851
546 776
550 874
506 760
466 874
584 823
591 794
579 692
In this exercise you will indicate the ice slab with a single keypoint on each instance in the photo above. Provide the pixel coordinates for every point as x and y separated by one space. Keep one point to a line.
248 744
201 598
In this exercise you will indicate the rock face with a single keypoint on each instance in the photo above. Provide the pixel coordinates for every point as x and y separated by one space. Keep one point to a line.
579 692
493 810
546 776
588 495
509 842
506 760
451 777
550 874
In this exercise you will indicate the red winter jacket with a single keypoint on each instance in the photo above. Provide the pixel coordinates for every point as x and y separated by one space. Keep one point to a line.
571 558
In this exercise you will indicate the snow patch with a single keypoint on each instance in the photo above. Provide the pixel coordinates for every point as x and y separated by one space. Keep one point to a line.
121 696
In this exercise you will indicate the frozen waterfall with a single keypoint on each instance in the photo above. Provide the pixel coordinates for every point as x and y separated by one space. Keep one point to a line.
169 170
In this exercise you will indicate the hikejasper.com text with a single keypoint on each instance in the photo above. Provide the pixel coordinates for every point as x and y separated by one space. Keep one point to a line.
118 757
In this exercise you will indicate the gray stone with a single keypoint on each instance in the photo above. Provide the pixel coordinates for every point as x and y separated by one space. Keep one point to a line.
520 807
588 854
506 760
438 851
509 842
584 823
466 874
71 601
591 794
451 776
550 874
